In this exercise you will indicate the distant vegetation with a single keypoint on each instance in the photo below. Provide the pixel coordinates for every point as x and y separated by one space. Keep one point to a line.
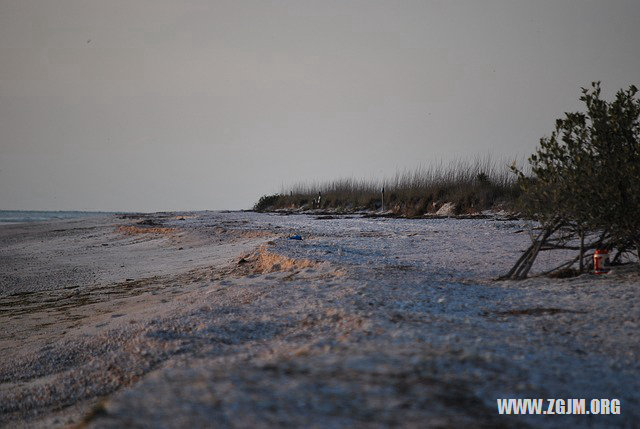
584 183
581 187
471 186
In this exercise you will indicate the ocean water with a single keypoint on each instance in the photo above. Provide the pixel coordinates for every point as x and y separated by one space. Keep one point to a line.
19 216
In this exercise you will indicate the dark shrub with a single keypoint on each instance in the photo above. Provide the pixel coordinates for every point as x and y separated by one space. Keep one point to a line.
267 202
585 178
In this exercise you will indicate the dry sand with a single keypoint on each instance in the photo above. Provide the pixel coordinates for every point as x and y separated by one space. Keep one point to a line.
217 319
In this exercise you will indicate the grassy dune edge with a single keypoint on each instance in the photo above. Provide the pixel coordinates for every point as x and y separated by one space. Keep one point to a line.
459 188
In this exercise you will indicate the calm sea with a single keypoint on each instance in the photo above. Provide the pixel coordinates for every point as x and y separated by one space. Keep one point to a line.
18 216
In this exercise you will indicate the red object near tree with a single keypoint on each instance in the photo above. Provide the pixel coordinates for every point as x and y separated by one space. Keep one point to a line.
599 261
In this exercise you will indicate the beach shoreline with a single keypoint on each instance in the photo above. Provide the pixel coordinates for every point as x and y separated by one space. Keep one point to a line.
133 319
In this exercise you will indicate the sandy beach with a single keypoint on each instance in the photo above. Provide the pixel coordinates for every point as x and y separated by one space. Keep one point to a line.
220 319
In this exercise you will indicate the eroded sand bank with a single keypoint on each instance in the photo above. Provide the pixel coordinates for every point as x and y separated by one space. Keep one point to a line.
217 318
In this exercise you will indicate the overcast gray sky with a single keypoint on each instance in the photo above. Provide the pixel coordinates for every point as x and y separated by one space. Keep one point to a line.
168 105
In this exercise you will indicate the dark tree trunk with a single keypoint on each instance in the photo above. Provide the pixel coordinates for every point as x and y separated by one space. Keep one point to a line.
581 252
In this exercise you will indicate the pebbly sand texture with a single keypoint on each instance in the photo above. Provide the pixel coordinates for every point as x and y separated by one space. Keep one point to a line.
217 319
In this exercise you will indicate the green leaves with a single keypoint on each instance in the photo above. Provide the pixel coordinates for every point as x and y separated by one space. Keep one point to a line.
587 172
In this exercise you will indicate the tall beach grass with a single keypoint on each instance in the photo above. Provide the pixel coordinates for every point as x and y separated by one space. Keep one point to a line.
471 185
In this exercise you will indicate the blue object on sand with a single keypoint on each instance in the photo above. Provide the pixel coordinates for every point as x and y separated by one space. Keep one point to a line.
295 237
